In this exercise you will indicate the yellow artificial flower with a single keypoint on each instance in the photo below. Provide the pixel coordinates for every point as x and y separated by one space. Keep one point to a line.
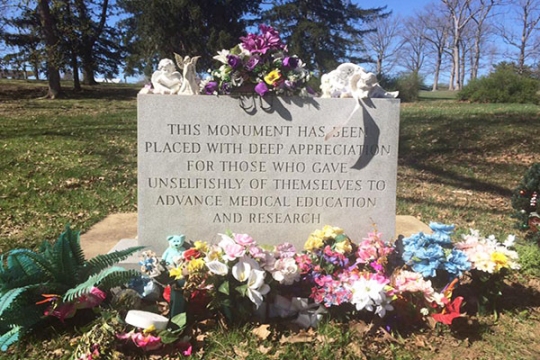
195 265
177 273
330 232
149 329
272 77
343 247
202 246
314 242
500 260
213 254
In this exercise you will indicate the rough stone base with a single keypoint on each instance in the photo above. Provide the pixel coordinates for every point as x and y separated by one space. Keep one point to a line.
103 237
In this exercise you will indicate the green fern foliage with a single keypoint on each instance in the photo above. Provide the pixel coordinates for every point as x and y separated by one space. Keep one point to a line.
60 269
100 262
9 337
7 298
106 279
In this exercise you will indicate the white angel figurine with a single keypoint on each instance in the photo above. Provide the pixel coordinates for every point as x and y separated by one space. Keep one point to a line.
190 86
166 80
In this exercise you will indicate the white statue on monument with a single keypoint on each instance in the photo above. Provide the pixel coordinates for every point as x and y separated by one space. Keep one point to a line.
352 81
190 85
166 80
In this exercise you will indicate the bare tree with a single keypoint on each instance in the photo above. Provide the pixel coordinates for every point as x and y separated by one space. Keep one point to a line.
51 44
384 43
526 41
461 13
414 44
436 32
481 31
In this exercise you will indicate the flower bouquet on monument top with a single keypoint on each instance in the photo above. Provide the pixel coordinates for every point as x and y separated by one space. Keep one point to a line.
260 64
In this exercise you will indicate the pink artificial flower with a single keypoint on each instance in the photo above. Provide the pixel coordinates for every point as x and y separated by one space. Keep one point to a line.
62 311
286 250
185 348
146 342
376 266
257 252
88 301
244 239
231 248
304 263
66 310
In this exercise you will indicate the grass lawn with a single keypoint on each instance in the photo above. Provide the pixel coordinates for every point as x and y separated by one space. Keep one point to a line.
74 161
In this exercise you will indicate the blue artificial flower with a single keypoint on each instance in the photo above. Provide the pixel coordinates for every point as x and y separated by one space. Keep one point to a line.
428 268
441 232
431 252
456 263
139 283
412 245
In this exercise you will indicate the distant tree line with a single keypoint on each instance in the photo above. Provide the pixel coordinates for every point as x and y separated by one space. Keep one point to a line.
458 38
108 36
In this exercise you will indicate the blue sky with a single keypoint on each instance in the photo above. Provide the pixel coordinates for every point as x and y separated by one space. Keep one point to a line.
401 7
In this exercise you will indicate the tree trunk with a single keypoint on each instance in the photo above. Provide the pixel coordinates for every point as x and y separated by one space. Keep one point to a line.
89 37
437 71
51 44
88 67
75 67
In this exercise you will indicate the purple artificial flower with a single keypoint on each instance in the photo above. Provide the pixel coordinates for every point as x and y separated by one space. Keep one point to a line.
271 36
252 63
226 88
290 62
210 88
286 250
260 44
291 85
261 89
234 61
254 44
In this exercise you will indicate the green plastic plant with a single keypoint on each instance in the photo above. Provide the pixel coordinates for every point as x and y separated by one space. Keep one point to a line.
60 269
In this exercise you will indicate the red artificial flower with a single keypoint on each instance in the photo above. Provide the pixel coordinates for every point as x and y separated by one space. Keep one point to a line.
167 293
198 302
450 311
191 254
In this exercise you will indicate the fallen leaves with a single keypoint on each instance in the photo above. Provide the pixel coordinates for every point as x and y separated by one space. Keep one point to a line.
261 331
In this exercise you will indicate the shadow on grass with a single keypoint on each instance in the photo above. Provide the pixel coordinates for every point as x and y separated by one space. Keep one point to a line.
459 180
26 89
454 147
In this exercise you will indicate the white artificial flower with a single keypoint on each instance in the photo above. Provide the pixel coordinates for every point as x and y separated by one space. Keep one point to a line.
242 269
257 288
383 307
217 267
510 241
222 56
286 271
360 297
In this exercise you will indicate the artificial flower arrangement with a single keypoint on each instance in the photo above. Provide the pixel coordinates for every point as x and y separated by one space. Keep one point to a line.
413 283
260 63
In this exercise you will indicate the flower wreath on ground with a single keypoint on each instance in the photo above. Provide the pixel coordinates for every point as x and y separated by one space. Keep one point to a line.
413 282
260 63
